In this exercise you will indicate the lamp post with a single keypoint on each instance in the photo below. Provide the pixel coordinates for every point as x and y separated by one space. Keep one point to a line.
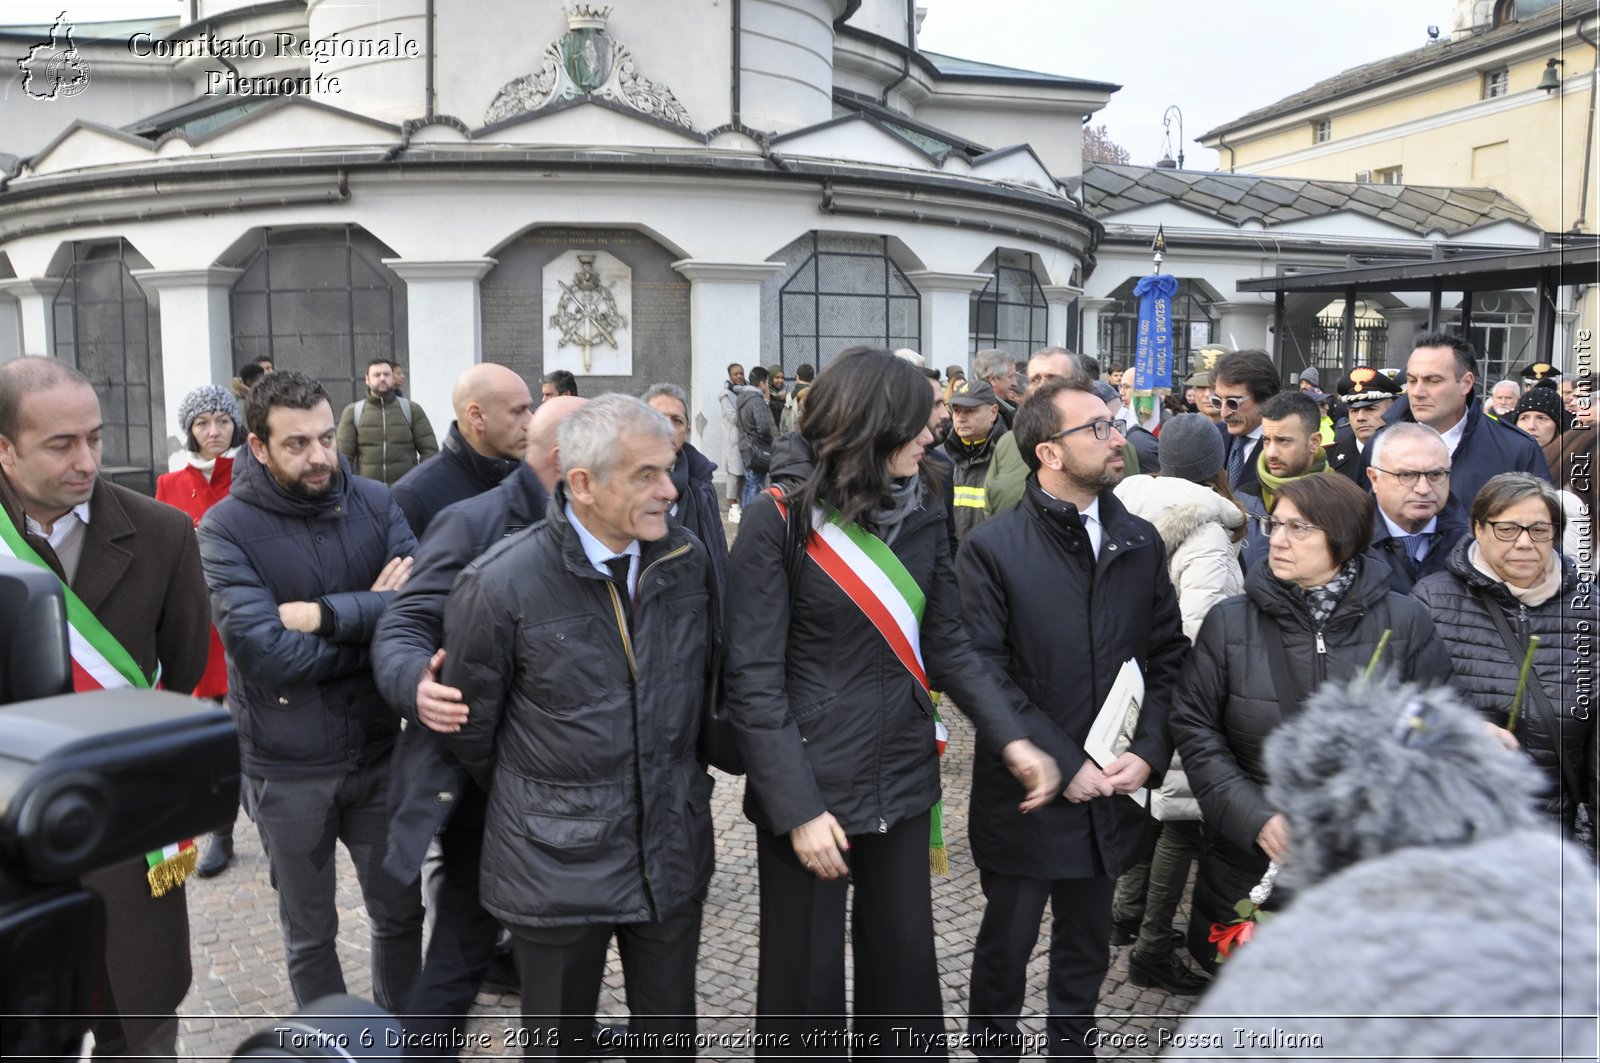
1165 162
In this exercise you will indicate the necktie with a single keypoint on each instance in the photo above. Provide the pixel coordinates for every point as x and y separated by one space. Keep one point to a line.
619 575
1417 548
1236 460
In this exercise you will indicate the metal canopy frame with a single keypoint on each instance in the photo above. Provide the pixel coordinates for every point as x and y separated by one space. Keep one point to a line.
1572 263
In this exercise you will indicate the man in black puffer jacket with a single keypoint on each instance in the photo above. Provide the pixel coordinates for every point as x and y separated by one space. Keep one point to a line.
585 714
301 558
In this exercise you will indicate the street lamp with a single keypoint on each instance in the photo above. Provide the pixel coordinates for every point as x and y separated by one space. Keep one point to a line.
1165 162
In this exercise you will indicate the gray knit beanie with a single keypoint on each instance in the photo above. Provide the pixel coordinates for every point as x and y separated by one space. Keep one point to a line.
207 398
1191 448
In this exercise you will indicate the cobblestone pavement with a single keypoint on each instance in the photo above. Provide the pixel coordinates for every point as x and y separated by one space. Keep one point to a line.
240 981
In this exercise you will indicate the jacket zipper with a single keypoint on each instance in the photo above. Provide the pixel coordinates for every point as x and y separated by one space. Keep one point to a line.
1322 660
633 701
383 443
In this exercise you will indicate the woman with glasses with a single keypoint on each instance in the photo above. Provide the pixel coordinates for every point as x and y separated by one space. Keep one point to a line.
1502 585
841 609
1315 611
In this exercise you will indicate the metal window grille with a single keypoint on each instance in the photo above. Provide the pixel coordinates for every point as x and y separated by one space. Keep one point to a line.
1009 314
1322 130
1496 83
842 295
105 327
1119 327
319 301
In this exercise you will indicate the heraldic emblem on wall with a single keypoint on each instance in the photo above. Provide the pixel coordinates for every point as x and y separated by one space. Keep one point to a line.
586 312
587 63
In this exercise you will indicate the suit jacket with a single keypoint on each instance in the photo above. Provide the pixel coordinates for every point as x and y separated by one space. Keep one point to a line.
1250 480
157 610
1344 456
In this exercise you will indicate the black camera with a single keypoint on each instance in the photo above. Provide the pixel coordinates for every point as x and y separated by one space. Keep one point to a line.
86 780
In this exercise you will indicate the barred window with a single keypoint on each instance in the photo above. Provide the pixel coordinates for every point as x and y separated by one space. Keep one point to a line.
107 328
845 291
1009 314
1322 131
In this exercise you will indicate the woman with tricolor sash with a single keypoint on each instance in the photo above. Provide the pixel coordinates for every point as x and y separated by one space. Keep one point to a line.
842 610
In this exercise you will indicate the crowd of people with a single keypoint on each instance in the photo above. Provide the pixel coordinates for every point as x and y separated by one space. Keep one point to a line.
494 669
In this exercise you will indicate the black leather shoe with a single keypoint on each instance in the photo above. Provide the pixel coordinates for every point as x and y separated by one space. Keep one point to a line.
1124 933
217 855
501 977
1172 975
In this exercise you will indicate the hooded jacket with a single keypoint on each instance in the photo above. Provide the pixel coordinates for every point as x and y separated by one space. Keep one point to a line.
460 472
827 718
1030 585
306 703
385 446
1228 704
1488 447
1487 673
1196 525
756 428
584 726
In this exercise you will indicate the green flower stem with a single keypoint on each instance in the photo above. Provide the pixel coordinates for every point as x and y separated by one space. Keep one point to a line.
1377 655
1522 682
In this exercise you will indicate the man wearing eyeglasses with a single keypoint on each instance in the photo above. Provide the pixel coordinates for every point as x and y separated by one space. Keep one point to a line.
1240 383
1440 377
1367 395
1418 522
1069 566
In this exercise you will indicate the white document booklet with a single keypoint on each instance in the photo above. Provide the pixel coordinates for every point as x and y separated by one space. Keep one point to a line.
1113 728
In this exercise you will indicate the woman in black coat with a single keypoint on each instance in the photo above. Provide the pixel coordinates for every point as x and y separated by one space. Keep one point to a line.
1328 607
1538 592
836 728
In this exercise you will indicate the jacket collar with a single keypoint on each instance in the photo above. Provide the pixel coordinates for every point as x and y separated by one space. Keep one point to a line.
1286 602
106 555
384 400
1452 521
528 500
1120 532
486 470
255 485
572 554
1461 566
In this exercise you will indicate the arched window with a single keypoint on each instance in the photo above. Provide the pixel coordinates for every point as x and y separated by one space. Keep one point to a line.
107 328
844 292
1009 313
320 301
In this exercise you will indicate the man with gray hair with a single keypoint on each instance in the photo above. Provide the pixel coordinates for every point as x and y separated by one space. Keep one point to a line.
999 368
1417 521
583 727
1503 398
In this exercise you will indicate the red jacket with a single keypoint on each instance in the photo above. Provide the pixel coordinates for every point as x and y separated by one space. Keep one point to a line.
189 490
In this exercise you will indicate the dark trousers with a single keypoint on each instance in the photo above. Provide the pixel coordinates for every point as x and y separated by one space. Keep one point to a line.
561 970
1148 894
300 820
801 991
464 935
1080 951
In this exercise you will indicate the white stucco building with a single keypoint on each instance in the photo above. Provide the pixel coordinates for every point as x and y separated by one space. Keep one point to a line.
763 180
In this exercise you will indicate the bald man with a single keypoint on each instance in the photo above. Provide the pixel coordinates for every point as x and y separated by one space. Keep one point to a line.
485 442
430 794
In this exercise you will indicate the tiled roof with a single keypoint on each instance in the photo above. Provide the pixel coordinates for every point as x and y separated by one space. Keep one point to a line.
949 66
1238 198
1407 64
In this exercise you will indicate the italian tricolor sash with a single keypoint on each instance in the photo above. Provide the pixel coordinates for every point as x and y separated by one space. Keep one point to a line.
100 662
871 576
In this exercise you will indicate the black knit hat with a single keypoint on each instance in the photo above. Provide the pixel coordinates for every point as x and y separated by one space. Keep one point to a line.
1546 399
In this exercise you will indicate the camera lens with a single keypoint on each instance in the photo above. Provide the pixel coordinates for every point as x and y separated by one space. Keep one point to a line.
64 824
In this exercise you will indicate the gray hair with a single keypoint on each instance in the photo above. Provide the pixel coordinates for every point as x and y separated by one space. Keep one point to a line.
992 363
1507 489
1401 431
592 435
1498 384
671 391
1079 371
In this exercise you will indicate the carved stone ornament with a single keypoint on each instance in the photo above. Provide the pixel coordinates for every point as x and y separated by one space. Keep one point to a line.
586 313
587 63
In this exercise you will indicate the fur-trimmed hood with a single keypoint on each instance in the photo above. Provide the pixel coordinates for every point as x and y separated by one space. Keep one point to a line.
1178 508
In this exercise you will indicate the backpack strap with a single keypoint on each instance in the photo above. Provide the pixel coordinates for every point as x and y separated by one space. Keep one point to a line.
405 410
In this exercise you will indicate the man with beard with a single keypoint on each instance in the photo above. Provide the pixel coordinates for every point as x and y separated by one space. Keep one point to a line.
1291 447
1063 569
1367 394
302 557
